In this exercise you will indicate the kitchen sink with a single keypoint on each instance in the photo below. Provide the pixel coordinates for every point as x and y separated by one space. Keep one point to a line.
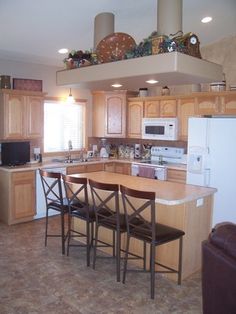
70 161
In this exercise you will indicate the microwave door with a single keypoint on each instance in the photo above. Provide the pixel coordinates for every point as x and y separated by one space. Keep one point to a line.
154 129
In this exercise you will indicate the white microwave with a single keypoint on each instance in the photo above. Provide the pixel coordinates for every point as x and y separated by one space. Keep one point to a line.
160 129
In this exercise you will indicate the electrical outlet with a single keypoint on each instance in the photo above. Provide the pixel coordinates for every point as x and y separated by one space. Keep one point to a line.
200 202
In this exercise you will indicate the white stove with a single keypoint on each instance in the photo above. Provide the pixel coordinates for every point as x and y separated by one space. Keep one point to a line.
160 157
164 154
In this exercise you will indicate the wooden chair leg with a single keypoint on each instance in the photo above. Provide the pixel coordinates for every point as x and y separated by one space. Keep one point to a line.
152 270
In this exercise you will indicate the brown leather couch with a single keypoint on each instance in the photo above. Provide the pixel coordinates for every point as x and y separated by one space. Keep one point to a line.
219 270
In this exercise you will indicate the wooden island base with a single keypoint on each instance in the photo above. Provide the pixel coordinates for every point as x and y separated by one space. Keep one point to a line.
191 213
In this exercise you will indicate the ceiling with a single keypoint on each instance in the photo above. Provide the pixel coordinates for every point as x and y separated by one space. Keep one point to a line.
33 31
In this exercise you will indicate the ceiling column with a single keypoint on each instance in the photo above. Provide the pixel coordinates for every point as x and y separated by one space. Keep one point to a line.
169 16
103 26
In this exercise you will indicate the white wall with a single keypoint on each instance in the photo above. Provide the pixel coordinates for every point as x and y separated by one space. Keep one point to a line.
48 75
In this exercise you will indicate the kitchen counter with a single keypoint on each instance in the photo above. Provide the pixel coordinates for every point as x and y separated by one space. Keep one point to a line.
167 193
55 164
182 206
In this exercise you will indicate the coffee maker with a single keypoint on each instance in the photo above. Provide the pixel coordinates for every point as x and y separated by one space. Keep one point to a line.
137 151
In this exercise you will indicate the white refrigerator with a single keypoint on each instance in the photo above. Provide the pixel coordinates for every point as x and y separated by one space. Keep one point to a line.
212 162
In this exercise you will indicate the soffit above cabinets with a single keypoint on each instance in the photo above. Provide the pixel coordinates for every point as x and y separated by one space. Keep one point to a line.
168 68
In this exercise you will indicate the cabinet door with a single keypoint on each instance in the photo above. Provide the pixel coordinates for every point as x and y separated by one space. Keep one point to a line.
14 109
95 167
109 167
23 194
186 109
168 108
228 103
115 116
76 169
208 105
34 107
123 168
175 175
135 115
151 109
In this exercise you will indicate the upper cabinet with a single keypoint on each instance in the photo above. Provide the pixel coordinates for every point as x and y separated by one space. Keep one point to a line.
151 109
135 115
109 113
208 105
221 103
186 109
168 108
21 114
228 104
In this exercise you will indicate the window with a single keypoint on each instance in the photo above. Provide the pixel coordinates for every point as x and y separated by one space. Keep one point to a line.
63 122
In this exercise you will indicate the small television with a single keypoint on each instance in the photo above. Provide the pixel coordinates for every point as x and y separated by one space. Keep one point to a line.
15 153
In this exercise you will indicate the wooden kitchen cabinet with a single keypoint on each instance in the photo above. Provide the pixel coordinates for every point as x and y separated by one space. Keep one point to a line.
135 115
168 108
34 115
186 109
123 168
208 105
176 175
152 109
18 196
21 114
228 104
109 167
84 168
109 113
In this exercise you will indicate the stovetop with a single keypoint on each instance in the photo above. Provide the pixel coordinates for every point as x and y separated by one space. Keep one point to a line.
154 162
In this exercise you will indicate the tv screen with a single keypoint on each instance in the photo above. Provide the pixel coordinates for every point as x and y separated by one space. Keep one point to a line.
15 153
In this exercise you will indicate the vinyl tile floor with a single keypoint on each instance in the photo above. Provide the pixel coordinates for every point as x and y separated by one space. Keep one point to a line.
37 279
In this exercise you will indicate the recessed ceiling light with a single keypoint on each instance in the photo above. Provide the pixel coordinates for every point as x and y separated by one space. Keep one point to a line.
152 81
206 19
116 85
63 50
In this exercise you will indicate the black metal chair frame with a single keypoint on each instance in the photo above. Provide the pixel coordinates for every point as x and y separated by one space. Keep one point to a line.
54 201
79 208
108 218
147 231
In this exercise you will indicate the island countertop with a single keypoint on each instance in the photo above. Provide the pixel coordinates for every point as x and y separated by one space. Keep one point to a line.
167 193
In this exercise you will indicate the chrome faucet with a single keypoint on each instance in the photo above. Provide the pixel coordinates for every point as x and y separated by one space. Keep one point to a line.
70 147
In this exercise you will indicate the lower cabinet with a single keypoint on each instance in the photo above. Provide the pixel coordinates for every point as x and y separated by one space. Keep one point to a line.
84 168
118 167
17 196
175 175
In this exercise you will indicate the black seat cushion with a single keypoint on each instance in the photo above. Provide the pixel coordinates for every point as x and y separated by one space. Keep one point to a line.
56 205
164 233
111 222
81 212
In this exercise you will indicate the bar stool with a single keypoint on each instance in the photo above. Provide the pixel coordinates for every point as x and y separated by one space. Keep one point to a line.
148 231
52 188
108 215
79 208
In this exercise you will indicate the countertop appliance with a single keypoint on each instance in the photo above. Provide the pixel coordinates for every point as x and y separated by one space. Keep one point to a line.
160 128
211 162
40 198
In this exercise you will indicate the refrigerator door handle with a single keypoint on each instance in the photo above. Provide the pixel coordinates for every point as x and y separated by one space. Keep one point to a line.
207 177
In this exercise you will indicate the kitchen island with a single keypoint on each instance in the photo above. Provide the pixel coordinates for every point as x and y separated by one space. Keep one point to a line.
186 207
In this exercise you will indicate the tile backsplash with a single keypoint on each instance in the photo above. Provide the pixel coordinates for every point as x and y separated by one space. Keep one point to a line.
127 144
